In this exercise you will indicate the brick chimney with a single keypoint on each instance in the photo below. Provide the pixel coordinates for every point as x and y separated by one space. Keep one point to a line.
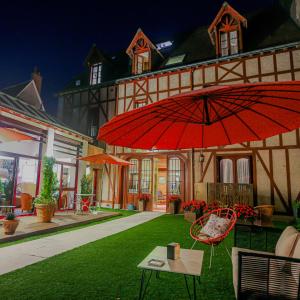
36 76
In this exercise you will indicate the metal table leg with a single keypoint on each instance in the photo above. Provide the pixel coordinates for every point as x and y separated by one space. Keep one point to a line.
194 296
144 284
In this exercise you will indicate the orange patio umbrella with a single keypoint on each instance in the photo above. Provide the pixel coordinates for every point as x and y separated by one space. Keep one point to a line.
12 135
103 158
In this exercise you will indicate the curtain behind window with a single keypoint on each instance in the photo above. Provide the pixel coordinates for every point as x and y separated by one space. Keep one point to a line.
226 171
243 170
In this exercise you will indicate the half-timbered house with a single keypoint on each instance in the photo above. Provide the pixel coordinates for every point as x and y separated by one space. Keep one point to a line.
235 48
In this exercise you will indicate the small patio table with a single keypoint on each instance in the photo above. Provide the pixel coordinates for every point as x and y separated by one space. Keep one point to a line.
189 265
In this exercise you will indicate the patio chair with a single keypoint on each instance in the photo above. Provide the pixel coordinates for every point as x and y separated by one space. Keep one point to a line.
269 275
196 230
26 202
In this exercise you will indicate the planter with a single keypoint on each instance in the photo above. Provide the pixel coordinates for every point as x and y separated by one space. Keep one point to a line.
44 212
10 226
142 205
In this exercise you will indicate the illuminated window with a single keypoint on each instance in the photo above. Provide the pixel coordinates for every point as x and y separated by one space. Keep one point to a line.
233 42
175 59
142 62
224 44
174 176
95 76
133 180
229 43
146 176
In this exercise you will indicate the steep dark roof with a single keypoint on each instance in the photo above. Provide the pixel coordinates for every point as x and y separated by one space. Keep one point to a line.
28 110
268 27
14 90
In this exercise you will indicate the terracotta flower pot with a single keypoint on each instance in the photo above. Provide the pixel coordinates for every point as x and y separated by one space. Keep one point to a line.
44 212
142 205
10 226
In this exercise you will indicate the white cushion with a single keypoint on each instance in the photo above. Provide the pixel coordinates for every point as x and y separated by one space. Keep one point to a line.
286 241
295 267
215 226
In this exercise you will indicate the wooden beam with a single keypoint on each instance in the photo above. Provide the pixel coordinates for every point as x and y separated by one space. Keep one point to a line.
206 166
272 181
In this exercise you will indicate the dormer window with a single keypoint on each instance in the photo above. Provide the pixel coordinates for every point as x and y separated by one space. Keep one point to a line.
95 75
141 51
226 31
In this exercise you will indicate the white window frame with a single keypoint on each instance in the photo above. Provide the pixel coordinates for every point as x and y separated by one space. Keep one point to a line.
96 74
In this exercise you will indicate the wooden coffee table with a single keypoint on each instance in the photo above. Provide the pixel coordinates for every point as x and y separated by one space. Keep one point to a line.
189 265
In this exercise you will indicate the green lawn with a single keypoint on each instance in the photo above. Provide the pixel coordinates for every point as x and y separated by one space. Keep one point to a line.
124 213
106 269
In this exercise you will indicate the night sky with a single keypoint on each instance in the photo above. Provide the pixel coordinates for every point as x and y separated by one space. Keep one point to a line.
57 35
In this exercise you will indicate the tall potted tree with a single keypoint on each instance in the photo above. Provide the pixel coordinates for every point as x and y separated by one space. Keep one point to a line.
86 189
45 202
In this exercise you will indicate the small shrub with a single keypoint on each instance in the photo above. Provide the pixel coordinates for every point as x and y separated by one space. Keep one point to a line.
10 216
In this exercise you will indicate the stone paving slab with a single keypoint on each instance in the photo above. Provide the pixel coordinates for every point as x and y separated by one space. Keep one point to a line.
20 255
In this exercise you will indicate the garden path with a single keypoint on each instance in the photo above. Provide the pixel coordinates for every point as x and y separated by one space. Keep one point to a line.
20 255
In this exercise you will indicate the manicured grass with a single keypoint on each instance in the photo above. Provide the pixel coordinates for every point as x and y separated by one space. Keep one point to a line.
124 213
107 269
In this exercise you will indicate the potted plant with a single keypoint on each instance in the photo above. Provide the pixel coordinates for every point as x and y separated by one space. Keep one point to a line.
10 224
45 202
245 212
143 199
193 210
174 204
86 189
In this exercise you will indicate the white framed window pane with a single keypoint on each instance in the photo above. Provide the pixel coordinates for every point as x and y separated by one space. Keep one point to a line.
224 44
133 173
226 171
243 170
233 42
95 76
146 176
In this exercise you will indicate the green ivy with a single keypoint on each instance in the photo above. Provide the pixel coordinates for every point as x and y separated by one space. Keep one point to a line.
86 184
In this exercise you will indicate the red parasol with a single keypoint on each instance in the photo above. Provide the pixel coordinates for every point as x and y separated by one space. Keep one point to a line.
212 116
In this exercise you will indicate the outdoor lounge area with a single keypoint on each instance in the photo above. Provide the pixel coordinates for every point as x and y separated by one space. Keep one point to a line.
166 167
108 270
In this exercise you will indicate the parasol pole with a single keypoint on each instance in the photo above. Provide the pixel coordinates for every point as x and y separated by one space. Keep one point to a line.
193 173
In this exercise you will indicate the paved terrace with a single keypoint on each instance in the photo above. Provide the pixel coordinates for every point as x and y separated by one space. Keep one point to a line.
20 255
29 226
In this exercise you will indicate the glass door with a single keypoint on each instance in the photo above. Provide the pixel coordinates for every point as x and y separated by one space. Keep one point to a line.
66 180
7 177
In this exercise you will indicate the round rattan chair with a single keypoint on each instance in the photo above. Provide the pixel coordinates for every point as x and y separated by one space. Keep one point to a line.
195 230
